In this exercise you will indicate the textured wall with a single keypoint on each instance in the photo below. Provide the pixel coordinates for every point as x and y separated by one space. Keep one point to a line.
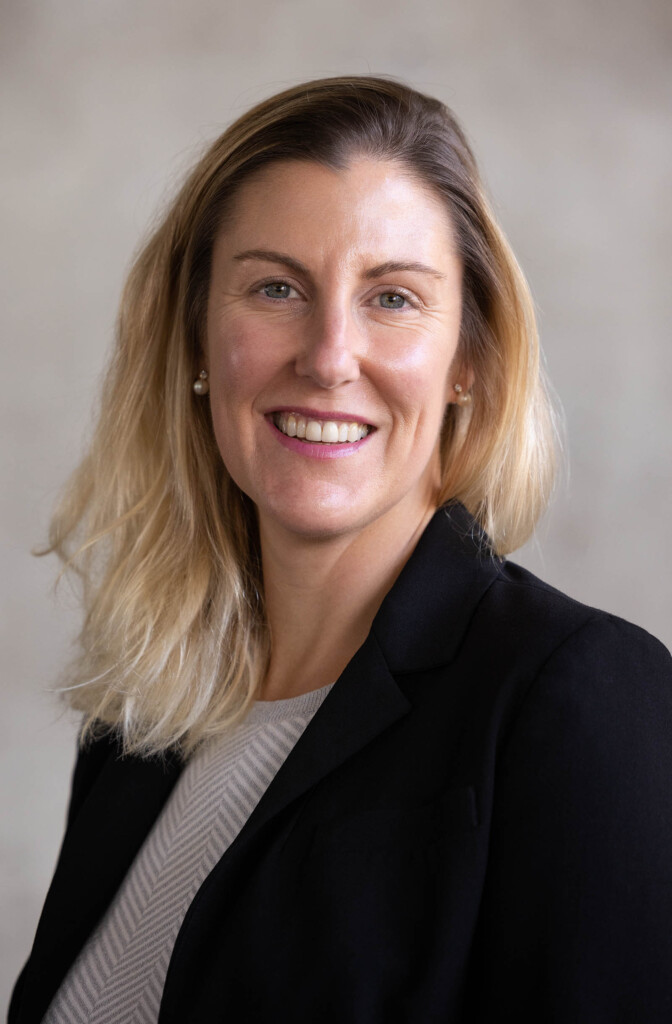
103 105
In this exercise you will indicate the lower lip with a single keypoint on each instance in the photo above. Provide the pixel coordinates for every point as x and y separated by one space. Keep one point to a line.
316 449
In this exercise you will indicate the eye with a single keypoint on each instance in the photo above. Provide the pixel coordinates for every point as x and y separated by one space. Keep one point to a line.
278 290
392 300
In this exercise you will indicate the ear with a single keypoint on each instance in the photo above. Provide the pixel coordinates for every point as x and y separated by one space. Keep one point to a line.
459 385
202 361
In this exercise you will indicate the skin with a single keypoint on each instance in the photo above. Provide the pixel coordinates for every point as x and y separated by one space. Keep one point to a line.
306 312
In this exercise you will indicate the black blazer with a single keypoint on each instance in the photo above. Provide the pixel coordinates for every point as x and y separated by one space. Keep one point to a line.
476 826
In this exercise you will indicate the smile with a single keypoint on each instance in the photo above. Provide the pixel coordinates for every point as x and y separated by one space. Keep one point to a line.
319 431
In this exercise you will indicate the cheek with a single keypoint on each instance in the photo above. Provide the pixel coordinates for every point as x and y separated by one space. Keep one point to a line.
420 375
239 361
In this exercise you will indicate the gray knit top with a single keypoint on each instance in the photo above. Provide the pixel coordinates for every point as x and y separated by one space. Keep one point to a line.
118 977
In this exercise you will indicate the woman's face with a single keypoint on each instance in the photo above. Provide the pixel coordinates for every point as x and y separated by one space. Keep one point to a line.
332 325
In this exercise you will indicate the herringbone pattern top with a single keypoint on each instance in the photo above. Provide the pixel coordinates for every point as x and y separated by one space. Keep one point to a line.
118 977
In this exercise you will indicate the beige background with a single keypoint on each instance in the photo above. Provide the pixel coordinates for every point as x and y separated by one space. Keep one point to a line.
105 102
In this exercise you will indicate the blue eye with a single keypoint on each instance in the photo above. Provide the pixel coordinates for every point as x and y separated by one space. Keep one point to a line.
392 300
277 290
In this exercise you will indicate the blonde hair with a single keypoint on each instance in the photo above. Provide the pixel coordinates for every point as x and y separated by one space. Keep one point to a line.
174 644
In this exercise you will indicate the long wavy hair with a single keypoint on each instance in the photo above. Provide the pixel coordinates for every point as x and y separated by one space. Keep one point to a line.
174 643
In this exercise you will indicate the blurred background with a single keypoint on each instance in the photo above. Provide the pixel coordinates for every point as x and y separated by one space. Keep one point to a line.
105 103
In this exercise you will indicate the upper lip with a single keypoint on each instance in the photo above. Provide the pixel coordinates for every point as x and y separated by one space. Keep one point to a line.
321 414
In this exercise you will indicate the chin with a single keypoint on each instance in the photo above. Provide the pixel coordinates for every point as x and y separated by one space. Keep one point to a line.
314 521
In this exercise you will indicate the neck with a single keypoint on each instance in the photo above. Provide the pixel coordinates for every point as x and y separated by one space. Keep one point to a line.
322 595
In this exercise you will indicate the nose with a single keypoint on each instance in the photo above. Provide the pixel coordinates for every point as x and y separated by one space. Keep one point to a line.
331 347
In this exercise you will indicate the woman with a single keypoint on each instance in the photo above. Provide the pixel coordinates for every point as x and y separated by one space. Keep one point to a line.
341 761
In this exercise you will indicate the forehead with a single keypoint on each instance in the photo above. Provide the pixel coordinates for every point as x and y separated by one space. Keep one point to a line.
369 207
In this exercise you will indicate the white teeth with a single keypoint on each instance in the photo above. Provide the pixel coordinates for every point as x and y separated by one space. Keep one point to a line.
329 432
319 431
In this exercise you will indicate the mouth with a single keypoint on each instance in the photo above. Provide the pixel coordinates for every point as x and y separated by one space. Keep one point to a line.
318 431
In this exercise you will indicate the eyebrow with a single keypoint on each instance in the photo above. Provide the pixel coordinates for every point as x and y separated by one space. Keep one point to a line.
380 270
270 256
397 266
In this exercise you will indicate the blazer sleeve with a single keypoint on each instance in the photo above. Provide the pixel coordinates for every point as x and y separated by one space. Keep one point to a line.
577 911
90 759
89 762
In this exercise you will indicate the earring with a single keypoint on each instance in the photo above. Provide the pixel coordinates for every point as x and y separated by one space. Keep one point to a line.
463 397
201 386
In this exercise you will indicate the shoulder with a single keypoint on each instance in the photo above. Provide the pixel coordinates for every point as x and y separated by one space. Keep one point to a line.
524 614
455 599
592 697
549 666
92 756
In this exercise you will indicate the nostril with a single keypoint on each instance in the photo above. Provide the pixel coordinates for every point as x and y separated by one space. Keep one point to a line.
328 369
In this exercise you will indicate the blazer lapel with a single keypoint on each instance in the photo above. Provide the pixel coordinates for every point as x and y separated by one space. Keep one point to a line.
98 850
365 701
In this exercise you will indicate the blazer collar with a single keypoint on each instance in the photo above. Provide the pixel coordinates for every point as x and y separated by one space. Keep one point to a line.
422 620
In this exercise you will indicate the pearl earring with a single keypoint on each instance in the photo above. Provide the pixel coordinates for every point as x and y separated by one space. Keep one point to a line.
463 397
201 386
